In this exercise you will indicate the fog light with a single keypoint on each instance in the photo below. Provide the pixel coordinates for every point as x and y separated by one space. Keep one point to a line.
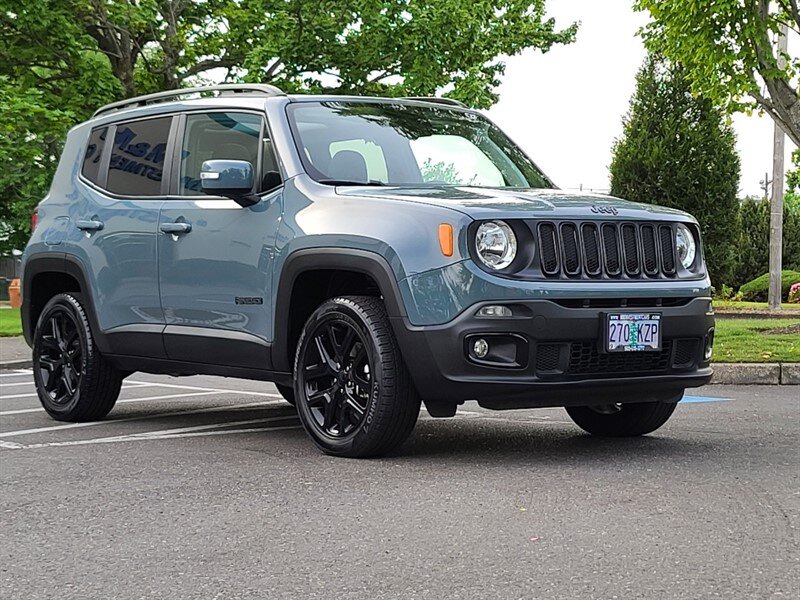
495 311
709 344
480 348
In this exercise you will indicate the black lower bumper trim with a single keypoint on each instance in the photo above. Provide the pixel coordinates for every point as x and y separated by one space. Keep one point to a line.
565 364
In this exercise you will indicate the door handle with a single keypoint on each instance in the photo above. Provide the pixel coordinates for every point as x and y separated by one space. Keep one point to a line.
176 228
91 225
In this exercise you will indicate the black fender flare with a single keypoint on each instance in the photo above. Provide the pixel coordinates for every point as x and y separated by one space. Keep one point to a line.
57 262
314 259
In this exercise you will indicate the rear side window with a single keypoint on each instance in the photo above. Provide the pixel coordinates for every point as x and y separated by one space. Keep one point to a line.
137 158
94 151
218 135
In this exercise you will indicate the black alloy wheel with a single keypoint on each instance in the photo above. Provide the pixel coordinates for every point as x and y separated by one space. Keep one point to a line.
74 381
337 377
61 356
353 392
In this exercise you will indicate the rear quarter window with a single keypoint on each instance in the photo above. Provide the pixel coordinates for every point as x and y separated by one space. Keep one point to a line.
137 157
94 152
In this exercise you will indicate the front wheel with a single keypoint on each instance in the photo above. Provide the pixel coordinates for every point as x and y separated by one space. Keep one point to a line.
73 380
623 420
352 389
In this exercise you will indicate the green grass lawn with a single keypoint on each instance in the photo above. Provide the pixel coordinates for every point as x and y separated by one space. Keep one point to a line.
9 322
745 340
756 306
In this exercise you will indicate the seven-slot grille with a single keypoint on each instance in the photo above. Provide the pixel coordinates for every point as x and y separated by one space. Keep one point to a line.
612 250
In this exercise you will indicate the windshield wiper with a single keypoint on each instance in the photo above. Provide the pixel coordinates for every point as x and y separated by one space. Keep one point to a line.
348 182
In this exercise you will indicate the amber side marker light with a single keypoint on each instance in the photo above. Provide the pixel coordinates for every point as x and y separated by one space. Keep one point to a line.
446 239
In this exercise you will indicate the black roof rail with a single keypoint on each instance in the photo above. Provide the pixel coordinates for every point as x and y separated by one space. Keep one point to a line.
436 100
233 88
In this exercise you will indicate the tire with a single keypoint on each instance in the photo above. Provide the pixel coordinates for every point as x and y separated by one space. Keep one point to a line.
73 380
623 420
354 394
287 393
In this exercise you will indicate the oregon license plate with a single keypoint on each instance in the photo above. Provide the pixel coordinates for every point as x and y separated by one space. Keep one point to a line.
633 332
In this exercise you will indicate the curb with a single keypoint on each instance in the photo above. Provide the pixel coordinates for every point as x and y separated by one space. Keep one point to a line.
756 373
790 373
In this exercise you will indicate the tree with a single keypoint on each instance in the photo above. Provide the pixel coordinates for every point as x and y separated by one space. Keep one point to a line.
412 47
727 48
676 150
753 240
60 59
25 168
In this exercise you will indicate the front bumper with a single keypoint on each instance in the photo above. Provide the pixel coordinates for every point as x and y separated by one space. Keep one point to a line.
559 359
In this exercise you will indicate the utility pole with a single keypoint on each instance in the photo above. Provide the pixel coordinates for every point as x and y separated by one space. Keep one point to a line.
776 205
765 183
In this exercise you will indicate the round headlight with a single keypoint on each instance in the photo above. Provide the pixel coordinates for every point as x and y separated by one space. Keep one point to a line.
495 244
685 245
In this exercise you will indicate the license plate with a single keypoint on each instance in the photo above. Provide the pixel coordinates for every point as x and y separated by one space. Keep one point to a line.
629 332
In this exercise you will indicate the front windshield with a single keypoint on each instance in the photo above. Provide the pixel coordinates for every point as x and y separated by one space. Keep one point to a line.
407 144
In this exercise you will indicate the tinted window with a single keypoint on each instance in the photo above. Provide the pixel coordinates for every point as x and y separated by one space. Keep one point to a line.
94 151
219 135
137 159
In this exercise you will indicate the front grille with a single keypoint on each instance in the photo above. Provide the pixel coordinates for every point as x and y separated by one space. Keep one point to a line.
606 250
548 246
584 359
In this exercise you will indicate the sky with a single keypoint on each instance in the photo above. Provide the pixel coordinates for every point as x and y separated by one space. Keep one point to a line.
565 107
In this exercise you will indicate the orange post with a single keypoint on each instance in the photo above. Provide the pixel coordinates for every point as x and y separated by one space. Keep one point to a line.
13 293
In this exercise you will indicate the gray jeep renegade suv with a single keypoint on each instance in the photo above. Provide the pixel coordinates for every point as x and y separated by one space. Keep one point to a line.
365 255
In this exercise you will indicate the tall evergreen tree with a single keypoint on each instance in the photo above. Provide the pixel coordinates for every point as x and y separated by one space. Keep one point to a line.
677 150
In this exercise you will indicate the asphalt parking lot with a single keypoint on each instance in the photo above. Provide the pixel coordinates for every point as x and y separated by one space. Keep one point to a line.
208 488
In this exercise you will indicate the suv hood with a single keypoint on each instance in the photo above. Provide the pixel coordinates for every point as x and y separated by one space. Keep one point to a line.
499 203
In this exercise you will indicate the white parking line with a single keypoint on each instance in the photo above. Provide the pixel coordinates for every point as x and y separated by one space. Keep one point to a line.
6 434
17 373
23 411
12 396
5 385
139 438
229 391
126 386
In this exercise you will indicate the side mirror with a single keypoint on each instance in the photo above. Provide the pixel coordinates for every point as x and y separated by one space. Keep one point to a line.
230 178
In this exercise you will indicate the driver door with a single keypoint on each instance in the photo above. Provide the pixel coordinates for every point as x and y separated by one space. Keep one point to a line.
215 257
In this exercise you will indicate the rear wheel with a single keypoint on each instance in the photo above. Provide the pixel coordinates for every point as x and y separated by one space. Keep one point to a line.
354 395
73 380
623 420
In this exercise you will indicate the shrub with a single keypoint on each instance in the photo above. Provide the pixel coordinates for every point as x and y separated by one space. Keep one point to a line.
758 289
726 292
